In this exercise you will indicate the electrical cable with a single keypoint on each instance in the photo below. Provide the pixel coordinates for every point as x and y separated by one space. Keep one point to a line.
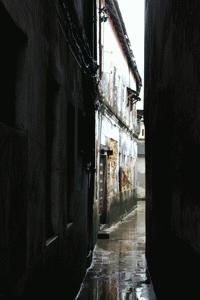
76 40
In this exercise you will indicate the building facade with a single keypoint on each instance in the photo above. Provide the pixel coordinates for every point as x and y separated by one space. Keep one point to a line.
47 70
116 116
172 123
140 162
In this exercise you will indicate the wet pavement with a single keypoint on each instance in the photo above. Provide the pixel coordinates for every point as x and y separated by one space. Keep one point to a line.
118 270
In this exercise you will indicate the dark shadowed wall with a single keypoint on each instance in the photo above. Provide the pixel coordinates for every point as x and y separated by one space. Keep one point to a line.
172 120
46 186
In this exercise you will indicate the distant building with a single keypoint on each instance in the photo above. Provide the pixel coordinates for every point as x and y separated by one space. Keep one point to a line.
140 163
116 116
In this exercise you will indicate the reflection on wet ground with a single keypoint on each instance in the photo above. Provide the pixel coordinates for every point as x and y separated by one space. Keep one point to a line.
118 270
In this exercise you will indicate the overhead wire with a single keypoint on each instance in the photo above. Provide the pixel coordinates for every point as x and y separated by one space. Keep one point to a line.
76 40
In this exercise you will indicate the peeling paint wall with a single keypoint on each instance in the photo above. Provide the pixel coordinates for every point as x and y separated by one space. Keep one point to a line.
116 121
128 157
116 76
120 164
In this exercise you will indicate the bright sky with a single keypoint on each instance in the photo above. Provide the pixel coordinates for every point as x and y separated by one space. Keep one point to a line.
133 15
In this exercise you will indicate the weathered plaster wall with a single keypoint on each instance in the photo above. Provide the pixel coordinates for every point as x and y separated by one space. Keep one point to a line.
116 76
117 121
172 122
120 167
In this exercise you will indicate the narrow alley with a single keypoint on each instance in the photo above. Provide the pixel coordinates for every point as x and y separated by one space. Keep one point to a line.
118 270
99 119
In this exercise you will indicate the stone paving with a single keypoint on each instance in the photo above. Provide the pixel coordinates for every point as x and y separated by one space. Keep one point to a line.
118 270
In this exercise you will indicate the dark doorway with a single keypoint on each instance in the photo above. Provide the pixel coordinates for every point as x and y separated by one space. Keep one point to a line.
103 189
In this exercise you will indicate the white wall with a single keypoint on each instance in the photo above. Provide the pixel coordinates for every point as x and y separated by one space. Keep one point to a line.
133 15
140 177
116 76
